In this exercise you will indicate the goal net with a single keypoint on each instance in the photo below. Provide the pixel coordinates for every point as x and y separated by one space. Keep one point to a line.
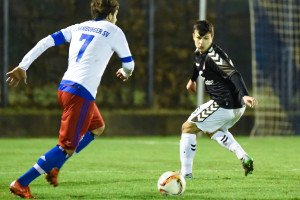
275 32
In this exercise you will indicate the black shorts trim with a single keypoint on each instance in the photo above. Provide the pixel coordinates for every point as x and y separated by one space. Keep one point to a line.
205 113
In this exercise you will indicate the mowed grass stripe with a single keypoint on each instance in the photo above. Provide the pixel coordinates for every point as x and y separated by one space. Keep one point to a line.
128 168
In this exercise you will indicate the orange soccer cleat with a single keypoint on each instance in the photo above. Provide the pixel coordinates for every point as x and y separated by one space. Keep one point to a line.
51 177
22 191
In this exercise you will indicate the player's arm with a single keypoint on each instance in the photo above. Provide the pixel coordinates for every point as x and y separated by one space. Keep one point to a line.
241 89
121 47
127 68
19 72
229 72
56 39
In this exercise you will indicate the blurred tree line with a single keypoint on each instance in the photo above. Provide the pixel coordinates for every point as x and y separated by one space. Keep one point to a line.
31 20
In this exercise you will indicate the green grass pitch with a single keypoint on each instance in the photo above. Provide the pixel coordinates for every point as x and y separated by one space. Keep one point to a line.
128 168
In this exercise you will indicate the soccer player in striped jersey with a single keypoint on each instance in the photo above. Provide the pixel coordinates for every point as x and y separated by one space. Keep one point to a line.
92 44
228 94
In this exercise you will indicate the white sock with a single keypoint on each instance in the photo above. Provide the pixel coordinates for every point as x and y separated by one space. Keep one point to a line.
226 139
187 152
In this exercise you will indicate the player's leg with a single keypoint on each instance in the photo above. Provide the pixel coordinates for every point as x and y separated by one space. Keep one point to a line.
52 176
96 128
76 118
188 145
86 139
203 119
44 164
227 140
94 123
56 156
247 161
74 123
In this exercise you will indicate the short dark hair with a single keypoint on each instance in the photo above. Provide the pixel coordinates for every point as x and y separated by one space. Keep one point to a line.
102 8
204 27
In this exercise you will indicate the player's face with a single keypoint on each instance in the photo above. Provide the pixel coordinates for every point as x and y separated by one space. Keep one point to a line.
202 43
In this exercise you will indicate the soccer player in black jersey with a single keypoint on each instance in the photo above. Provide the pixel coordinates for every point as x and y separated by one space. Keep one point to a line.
228 94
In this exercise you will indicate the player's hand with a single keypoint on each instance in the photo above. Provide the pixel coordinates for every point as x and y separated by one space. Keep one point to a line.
250 101
122 75
15 76
191 86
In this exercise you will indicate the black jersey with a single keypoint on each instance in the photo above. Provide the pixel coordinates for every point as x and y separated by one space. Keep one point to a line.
222 81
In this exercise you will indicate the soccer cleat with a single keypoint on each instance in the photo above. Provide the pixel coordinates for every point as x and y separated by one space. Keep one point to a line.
188 176
51 177
247 163
22 191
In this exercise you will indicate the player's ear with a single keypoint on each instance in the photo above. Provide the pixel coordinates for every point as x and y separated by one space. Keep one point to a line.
108 17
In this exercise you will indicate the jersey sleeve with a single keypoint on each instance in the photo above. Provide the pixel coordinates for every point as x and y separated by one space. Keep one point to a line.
238 82
223 65
64 35
230 73
55 39
195 73
120 46
36 51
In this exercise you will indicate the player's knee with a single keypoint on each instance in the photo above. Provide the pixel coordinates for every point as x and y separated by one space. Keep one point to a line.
189 127
98 131
69 152
66 147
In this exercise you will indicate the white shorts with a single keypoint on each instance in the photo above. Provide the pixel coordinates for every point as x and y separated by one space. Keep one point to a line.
210 117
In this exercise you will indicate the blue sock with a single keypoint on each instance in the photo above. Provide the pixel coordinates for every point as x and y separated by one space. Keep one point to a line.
53 158
29 176
86 139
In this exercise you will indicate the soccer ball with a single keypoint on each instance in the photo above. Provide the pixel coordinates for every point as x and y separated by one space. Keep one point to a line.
171 183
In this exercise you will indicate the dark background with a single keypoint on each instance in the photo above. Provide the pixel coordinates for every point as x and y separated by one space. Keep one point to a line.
31 20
